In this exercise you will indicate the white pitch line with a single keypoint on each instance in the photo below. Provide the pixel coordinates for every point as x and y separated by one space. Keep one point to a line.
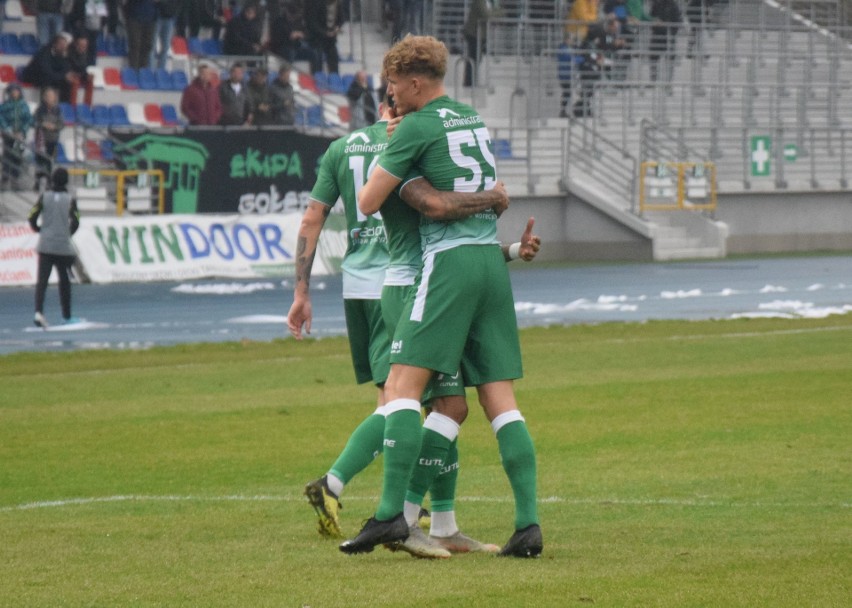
630 502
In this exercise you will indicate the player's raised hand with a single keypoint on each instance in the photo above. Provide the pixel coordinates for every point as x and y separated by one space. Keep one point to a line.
530 243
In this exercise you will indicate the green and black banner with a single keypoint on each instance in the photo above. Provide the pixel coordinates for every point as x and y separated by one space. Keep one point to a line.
246 171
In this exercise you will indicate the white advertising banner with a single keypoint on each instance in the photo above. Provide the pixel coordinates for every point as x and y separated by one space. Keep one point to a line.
177 247
18 257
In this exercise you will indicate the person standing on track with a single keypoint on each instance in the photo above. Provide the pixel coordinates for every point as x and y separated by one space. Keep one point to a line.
59 221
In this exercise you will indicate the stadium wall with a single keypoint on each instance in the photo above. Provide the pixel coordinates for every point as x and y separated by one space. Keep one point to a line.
573 230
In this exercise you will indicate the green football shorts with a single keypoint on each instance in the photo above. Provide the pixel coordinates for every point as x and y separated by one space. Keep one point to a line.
463 312
368 340
393 303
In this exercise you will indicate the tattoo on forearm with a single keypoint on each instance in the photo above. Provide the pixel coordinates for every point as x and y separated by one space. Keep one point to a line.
304 261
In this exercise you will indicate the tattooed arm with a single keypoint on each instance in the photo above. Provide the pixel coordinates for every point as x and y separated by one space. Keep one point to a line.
445 205
301 313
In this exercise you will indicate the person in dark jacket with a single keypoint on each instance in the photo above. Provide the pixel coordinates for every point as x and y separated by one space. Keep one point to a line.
288 36
48 124
260 98
141 19
164 28
79 60
200 99
49 67
362 106
324 19
667 19
59 221
15 121
283 97
236 109
243 33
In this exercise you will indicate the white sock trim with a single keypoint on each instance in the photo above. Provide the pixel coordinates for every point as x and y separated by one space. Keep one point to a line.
397 405
505 418
443 523
443 425
335 484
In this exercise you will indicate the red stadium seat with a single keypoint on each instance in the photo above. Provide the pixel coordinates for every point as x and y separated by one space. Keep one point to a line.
306 81
7 74
153 114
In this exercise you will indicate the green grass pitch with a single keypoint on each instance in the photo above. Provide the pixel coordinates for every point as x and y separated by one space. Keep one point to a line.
679 464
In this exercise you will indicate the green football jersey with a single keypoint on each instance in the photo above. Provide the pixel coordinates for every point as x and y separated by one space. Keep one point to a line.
447 143
343 172
402 224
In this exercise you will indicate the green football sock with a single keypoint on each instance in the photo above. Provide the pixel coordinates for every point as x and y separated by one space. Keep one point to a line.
401 446
518 456
433 455
364 444
443 489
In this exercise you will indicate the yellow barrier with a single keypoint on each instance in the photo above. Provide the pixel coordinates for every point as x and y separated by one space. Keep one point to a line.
121 192
669 186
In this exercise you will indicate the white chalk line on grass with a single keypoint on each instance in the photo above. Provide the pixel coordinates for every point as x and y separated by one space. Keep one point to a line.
628 502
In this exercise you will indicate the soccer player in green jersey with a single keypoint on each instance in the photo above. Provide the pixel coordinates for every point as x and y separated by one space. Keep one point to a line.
462 312
342 173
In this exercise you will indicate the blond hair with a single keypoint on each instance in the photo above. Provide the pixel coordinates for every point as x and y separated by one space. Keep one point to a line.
417 55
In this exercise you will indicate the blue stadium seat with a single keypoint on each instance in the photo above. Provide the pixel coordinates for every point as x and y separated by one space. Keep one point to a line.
118 115
67 111
129 78
10 44
170 115
502 148
61 157
106 150
179 80
29 43
84 114
195 46
335 83
321 80
116 47
164 79
314 118
101 116
147 80
347 81
211 46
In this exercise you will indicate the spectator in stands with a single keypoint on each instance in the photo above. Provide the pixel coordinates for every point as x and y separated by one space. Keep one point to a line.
568 62
324 19
140 19
288 37
15 122
362 105
164 28
49 19
192 15
603 41
79 60
617 10
48 124
260 98
243 33
583 13
697 13
59 221
87 18
200 99
413 12
667 19
474 30
49 67
236 107
283 98
394 15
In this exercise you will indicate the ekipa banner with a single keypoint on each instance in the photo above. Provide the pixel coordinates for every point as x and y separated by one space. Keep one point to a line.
18 257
